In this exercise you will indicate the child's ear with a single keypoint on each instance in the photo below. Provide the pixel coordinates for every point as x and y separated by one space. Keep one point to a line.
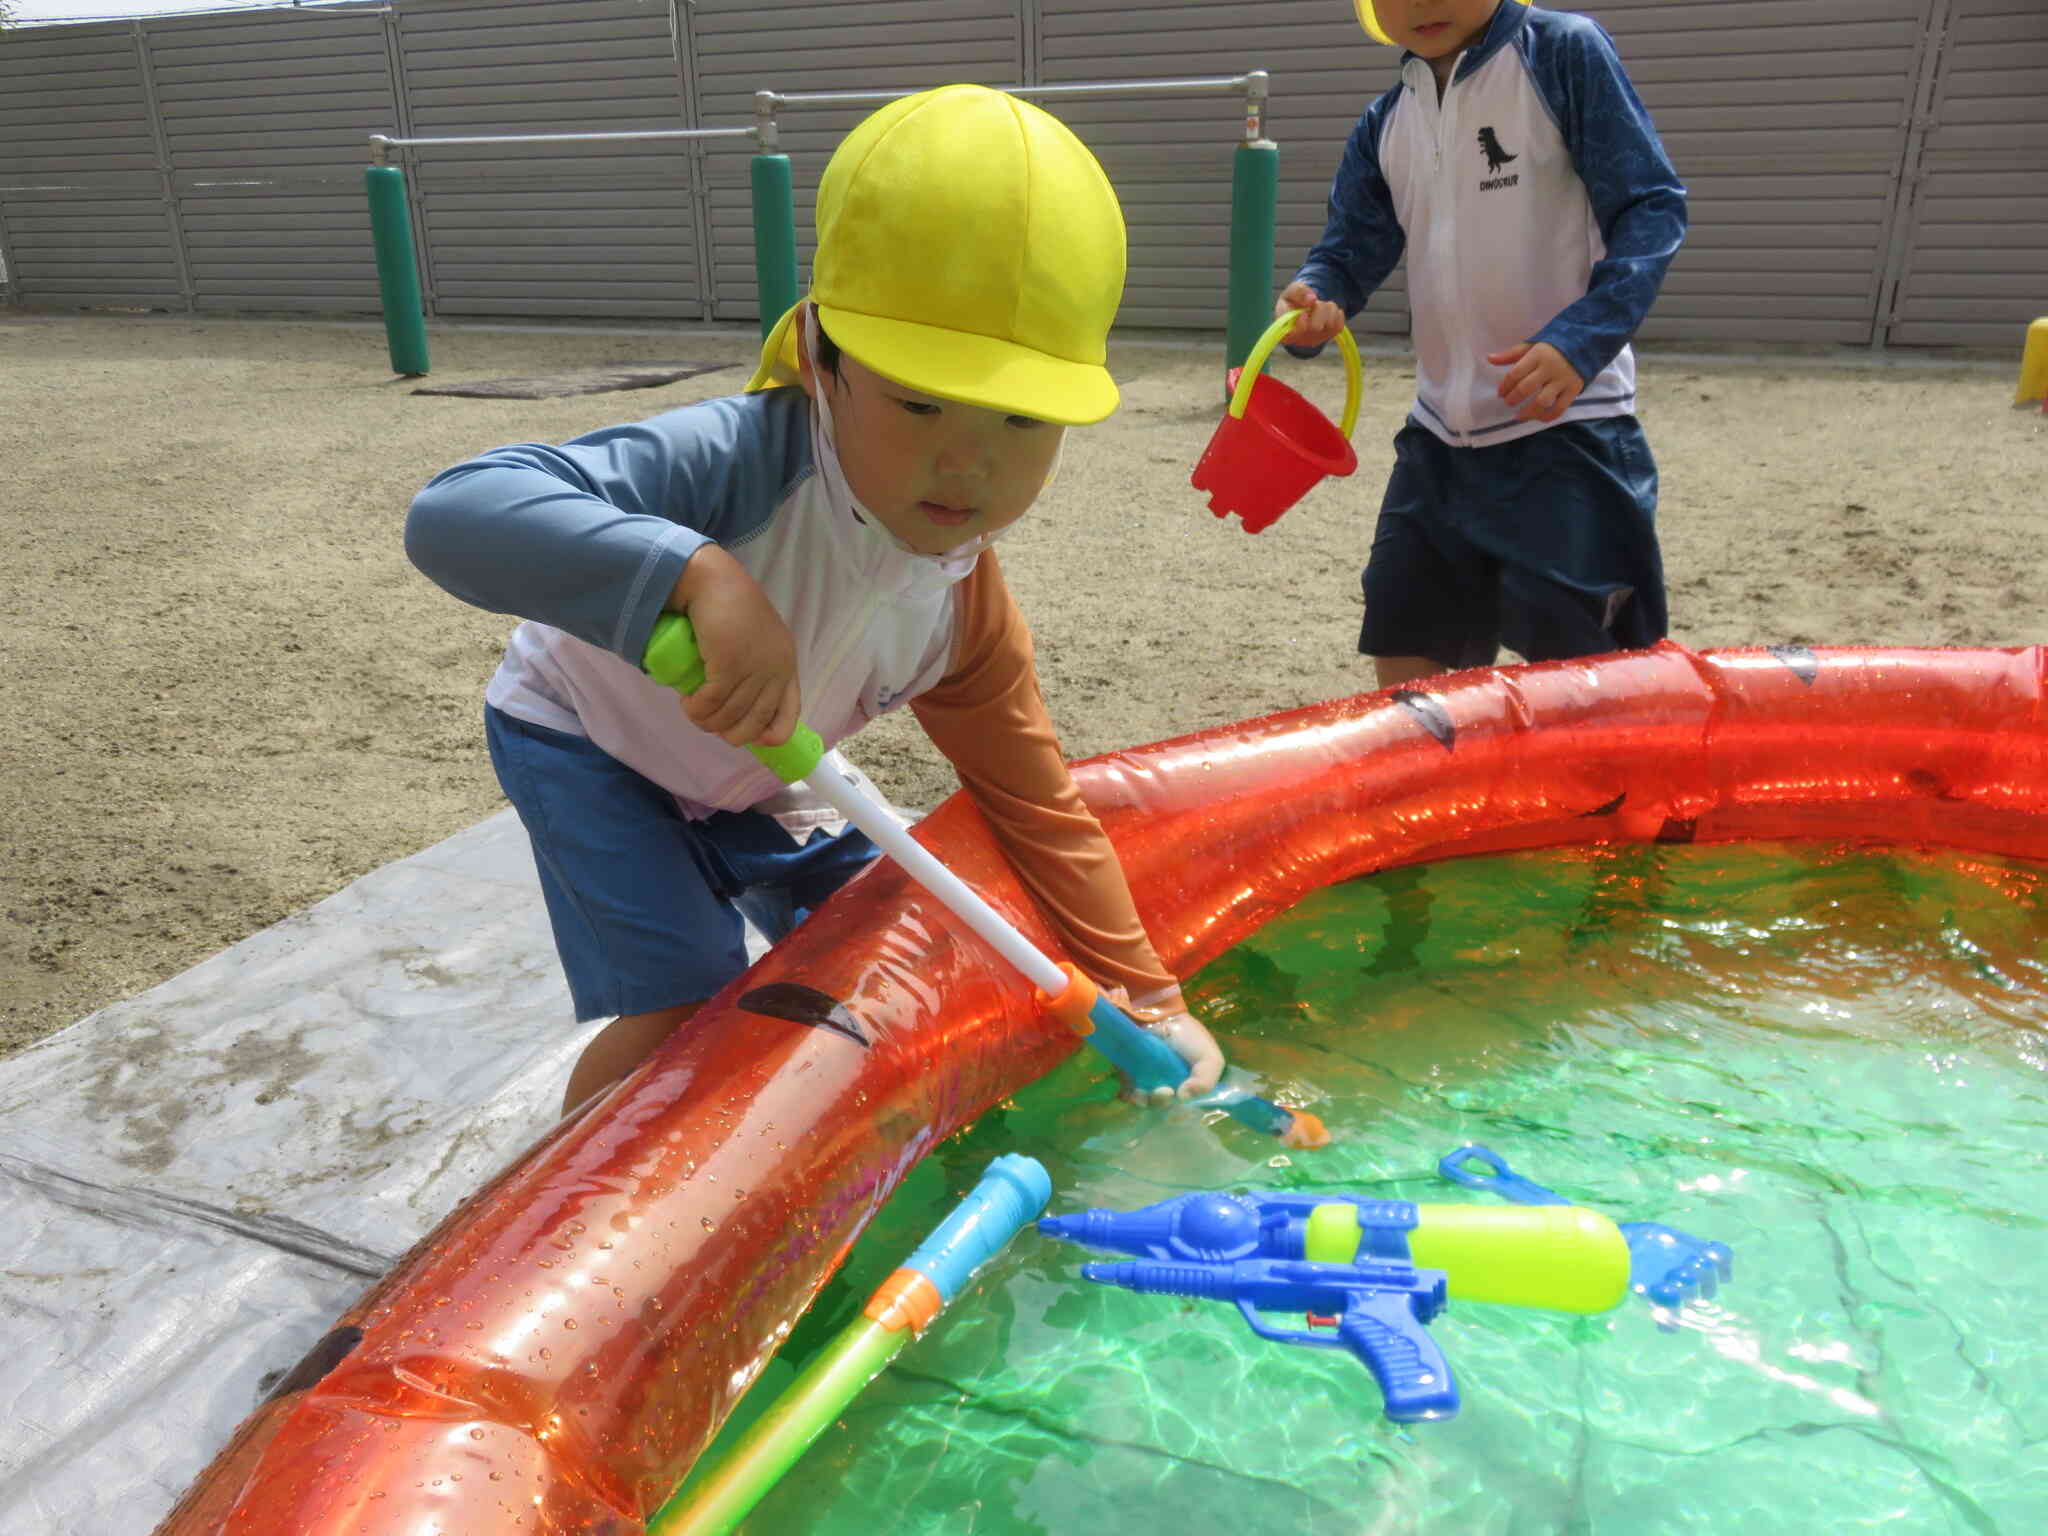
801 329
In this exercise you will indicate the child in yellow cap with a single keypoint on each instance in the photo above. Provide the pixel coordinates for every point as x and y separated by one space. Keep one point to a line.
827 536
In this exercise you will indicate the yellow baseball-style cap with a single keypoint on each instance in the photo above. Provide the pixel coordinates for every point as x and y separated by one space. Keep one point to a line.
1371 23
970 247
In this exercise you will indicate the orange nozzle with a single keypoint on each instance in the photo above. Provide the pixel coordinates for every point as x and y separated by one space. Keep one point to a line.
907 1299
1308 1131
1075 1000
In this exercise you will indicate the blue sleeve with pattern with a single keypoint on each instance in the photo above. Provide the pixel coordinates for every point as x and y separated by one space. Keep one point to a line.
1363 239
1636 195
590 536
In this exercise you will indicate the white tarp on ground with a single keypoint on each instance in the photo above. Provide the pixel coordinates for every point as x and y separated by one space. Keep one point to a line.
195 1182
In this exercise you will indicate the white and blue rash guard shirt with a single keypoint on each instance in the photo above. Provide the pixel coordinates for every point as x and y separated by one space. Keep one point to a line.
1534 202
586 541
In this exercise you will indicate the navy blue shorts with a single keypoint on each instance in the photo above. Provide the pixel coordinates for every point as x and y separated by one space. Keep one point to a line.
646 904
1546 544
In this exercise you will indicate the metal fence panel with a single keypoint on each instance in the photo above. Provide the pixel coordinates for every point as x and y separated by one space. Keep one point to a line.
796 46
1976 272
1787 123
279 245
1170 157
554 229
91 247
83 194
260 115
72 106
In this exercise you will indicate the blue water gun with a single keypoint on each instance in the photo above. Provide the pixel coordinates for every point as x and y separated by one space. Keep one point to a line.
1377 1271
1667 1267
1254 1250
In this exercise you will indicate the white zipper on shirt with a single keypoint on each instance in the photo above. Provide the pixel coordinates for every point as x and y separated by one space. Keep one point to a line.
1438 206
1459 389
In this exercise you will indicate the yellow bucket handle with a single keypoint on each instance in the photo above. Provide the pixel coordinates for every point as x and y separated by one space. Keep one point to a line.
1354 377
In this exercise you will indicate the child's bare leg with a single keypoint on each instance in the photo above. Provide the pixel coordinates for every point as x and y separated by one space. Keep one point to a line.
619 1047
1396 670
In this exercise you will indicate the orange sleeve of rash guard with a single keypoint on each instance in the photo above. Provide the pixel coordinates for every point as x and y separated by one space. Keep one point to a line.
988 717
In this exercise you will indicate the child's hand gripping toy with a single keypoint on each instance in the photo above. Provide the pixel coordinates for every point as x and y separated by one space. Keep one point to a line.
672 659
1272 446
1375 1271
1667 1267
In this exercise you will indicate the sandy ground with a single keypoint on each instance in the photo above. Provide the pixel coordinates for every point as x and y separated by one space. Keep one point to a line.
228 694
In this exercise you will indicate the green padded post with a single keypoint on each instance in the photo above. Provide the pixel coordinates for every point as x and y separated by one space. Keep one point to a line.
1254 199
774 238
398 273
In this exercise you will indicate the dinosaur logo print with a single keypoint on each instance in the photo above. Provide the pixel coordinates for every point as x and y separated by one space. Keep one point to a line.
1496 158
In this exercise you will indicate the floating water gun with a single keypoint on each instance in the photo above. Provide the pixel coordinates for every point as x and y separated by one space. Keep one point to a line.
673 660
1666 1266
1376 1272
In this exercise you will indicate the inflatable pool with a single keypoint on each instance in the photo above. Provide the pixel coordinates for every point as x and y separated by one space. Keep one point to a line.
556 1354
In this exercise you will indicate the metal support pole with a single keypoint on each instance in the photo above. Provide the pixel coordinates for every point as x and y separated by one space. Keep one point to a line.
10 267
416 198
398 275
173 213
683 42
1257 86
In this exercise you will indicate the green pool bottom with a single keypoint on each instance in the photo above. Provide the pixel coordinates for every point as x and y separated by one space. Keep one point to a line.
1831 1059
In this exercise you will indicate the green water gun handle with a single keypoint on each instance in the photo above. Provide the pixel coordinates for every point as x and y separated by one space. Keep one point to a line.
673 660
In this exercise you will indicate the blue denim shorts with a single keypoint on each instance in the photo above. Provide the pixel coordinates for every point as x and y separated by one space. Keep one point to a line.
646 904
1546 544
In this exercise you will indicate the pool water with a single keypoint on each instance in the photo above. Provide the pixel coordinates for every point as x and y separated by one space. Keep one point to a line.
1830 1058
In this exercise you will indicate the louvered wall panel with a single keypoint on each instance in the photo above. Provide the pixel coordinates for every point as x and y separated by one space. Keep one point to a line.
1787 124
91 247
1977 266
566 250
556 229
82 189
281 246
1170 156
275 92
802 46
72 107
265 115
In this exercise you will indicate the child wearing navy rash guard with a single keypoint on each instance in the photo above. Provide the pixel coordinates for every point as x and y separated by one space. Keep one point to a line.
1522 176
829 528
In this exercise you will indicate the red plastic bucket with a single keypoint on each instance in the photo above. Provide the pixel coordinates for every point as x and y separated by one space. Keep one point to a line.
1272 445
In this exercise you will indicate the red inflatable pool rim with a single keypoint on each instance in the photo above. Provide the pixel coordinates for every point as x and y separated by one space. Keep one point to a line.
554 1356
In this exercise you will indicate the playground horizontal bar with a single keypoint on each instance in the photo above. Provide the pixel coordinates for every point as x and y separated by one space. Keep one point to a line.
381 142
1090 88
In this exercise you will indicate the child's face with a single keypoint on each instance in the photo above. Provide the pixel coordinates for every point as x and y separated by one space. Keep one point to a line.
1434 29
935 472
